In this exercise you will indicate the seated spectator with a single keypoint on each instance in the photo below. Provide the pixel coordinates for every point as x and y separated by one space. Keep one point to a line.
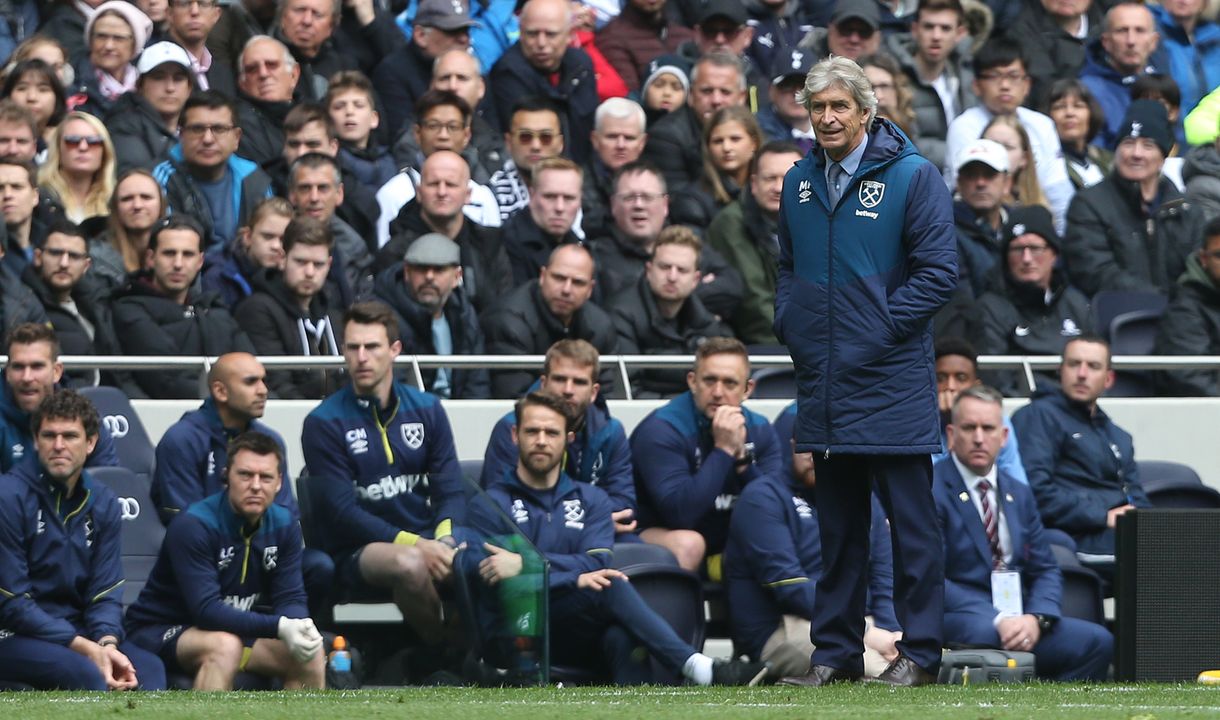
267 77
549 220
158 313
1008 131
78 176
893 91
308 28
443 193
202 619
391 513
116 32
1191 322
723 26
24 230
639 209
666 84
62 583
542 63
1029 308
938 72
618 139
33 85
259 246
854 30
351 104
731 137
144 123
695 454
31 375
1201 172
239 21
550 308
642 31
597 450
1078 119
435 314
745 232
1001 82
984 187
772 562
1133 231
533 134
957 368
784 118
459 72
292 311
315 188
1055 35
189 25
77 307
1081 465
18 131
17 304
135 207
204 177
1164 90
979 505
1125 50
662 315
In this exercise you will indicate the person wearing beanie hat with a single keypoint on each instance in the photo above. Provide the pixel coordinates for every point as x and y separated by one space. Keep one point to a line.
640 34
1030 309
666 85
1133 230
115 35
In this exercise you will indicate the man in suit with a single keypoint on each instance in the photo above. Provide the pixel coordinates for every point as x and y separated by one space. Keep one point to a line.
991 528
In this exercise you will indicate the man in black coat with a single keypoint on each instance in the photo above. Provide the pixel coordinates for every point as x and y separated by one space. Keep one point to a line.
294 312
662 315
553 307
435 317
547 222
157 314
267 76
308 28
1191 323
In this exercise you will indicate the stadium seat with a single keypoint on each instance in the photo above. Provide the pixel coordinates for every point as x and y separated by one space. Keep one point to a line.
472 469
642 553
1161 474
142 530
131 441
676 595
1134 333
1082 594
1109 304
1199 497
774 383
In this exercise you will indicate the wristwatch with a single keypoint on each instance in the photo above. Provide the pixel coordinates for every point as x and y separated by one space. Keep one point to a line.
108 642
1045 623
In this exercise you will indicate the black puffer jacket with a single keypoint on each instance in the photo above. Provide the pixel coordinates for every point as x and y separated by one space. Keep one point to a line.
17 304
574 93
675 146
140 137
148 323
262 128
1191 326
415 328
528 247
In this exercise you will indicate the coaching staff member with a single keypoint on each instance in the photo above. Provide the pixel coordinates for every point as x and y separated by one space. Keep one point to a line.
867 256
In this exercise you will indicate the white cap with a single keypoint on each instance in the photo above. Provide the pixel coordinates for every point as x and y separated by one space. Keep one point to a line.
160 53
988 152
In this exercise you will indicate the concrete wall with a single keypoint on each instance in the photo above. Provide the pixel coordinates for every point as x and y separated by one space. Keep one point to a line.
1185 430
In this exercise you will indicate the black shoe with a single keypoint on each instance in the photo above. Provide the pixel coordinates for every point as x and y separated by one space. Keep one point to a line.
904 672
736 672
820 675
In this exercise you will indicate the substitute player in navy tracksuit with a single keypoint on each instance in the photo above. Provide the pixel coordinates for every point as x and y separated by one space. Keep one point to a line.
382 456
595 613
227 583
868 255
61 575
694 455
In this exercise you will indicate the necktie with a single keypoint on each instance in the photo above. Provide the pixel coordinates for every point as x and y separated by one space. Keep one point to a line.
991 522
836 178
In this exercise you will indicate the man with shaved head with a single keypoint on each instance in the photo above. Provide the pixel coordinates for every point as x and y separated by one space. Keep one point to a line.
543 63
193 453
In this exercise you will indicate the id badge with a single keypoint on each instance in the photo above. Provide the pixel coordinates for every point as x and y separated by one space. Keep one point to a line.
1006 593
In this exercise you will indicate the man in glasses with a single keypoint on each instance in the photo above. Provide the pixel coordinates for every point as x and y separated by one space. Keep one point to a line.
190 21
267 76
534 133
204 176
853 31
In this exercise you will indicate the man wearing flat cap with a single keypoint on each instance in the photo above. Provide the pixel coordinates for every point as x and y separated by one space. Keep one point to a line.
1133 230
435 315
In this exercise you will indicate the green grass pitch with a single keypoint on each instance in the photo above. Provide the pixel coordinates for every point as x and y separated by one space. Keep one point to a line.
995 702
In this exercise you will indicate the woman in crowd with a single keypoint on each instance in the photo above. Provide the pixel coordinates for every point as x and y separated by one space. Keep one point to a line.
135 207
1008 131
34 85
78 175
730 139
115 34
1078 119
893 91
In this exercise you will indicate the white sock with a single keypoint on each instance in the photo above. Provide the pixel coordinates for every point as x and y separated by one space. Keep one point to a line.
698 668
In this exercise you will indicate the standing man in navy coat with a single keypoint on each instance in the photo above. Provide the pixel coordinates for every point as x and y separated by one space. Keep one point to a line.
867 257
971 493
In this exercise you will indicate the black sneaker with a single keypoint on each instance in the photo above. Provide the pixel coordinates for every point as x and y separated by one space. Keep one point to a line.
736 672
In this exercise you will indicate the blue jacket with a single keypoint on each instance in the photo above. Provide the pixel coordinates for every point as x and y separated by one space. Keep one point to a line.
773 561
17 443
570 524
1078 466
229 272
599 455
182 193
1112 89
1195 66
214 573
858 285
683 481
968 555
383 477
191 460
60 567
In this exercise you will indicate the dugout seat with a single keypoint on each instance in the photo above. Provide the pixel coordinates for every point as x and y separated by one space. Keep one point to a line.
1109 305
1083 589
642 553
142 531
131 441
472 470
676 595
1174 485
774 383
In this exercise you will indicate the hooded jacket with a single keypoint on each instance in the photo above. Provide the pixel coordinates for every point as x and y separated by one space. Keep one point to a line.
1191 326
1193 60
858 286
182 194
229 273
1201 171
415 330
675 146
1111 88
1050 52
978 248
17 441
140 137
931 125
747 239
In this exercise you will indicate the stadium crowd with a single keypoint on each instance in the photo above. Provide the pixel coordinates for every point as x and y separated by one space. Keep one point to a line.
360 178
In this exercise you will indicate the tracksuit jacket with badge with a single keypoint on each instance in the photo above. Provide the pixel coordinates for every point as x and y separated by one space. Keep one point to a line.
384 477
858 286
683 481
215 573
191 461
598 456
60 568
17 443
